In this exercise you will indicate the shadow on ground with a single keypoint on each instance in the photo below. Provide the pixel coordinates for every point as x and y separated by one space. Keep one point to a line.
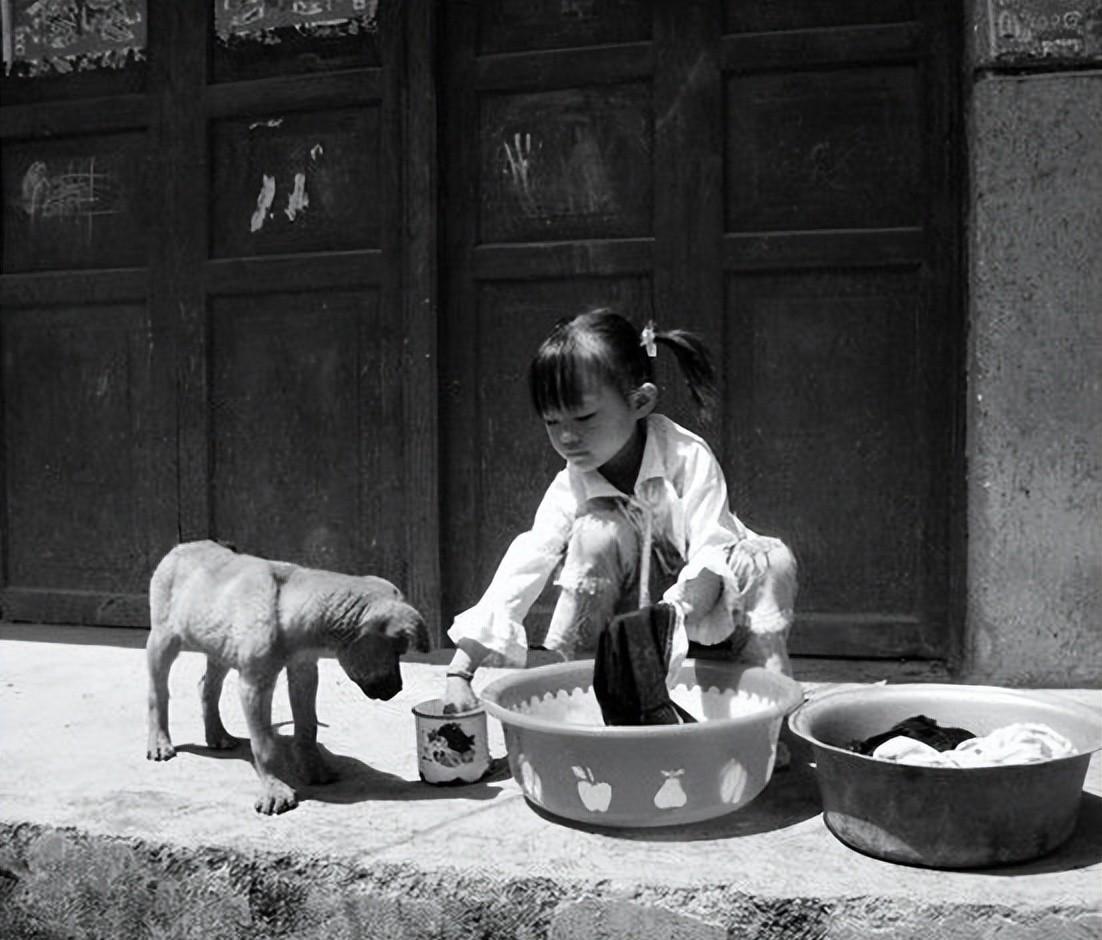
358 782
1082 850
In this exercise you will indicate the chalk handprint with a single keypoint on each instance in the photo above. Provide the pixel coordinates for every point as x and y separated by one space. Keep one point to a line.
517 167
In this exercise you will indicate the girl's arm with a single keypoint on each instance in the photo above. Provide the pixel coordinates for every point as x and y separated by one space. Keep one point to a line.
706 588
493 630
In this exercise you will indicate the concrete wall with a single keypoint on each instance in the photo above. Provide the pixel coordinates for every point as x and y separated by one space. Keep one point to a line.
1034 605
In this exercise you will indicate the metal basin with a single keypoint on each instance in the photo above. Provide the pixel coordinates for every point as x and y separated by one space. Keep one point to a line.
946 817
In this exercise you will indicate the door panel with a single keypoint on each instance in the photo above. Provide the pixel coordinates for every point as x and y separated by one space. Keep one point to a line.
826 426
287 183
831 149
75 202
80 499
565 164
300 385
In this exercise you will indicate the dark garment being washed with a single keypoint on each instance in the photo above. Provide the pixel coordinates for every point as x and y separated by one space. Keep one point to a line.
920 728
629 675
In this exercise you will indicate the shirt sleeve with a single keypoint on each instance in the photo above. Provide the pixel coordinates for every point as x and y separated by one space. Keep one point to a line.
710 529
497 620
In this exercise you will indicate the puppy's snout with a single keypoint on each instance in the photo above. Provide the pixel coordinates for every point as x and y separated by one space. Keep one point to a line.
382 689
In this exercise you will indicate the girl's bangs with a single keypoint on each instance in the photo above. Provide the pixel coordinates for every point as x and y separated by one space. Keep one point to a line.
561 375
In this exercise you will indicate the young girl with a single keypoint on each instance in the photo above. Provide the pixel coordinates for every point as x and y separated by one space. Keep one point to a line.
634 480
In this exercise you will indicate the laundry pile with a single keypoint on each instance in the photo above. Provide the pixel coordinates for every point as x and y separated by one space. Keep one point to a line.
921 741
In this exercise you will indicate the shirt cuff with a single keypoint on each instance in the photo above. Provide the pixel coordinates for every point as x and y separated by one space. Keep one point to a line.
503 636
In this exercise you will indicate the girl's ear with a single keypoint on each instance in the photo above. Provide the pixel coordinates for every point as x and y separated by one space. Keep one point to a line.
644 399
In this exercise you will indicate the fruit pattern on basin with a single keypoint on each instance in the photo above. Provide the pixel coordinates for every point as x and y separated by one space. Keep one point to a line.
596 795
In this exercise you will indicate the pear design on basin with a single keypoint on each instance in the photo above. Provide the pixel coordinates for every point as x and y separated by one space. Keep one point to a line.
595 796
671 795
732 781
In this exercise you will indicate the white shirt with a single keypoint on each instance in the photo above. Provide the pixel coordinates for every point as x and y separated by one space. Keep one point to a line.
679 481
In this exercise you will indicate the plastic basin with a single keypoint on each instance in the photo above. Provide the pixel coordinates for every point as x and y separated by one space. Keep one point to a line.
946 817
573 766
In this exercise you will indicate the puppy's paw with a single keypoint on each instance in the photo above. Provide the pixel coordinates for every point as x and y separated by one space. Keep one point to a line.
276 798
159 748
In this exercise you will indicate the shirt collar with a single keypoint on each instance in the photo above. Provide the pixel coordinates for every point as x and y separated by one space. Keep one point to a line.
589 484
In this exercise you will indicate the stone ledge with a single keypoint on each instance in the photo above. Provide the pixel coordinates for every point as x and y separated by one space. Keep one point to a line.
97 841
57 882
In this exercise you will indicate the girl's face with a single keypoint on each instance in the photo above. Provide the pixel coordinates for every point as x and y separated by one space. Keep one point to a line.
601 427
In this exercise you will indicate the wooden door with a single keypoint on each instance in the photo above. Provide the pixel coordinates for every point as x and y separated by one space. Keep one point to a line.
249 367
777 176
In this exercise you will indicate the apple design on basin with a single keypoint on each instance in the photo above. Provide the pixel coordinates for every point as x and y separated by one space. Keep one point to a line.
595 796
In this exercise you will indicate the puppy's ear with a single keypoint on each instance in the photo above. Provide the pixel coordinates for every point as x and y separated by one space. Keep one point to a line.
380 587
409 626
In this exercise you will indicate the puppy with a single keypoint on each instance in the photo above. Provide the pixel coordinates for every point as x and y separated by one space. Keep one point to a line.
257 617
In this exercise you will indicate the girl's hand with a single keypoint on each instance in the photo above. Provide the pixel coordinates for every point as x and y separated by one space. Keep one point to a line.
458 695
699 595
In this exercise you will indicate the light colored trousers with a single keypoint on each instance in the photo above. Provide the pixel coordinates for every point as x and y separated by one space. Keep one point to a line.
600 579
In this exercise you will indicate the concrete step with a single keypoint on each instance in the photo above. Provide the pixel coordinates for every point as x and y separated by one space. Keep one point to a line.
96 841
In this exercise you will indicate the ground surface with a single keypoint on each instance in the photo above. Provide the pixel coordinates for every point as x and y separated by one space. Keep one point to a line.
97 841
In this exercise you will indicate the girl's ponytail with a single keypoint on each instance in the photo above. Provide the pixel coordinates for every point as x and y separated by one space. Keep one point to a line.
696 365
604 344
